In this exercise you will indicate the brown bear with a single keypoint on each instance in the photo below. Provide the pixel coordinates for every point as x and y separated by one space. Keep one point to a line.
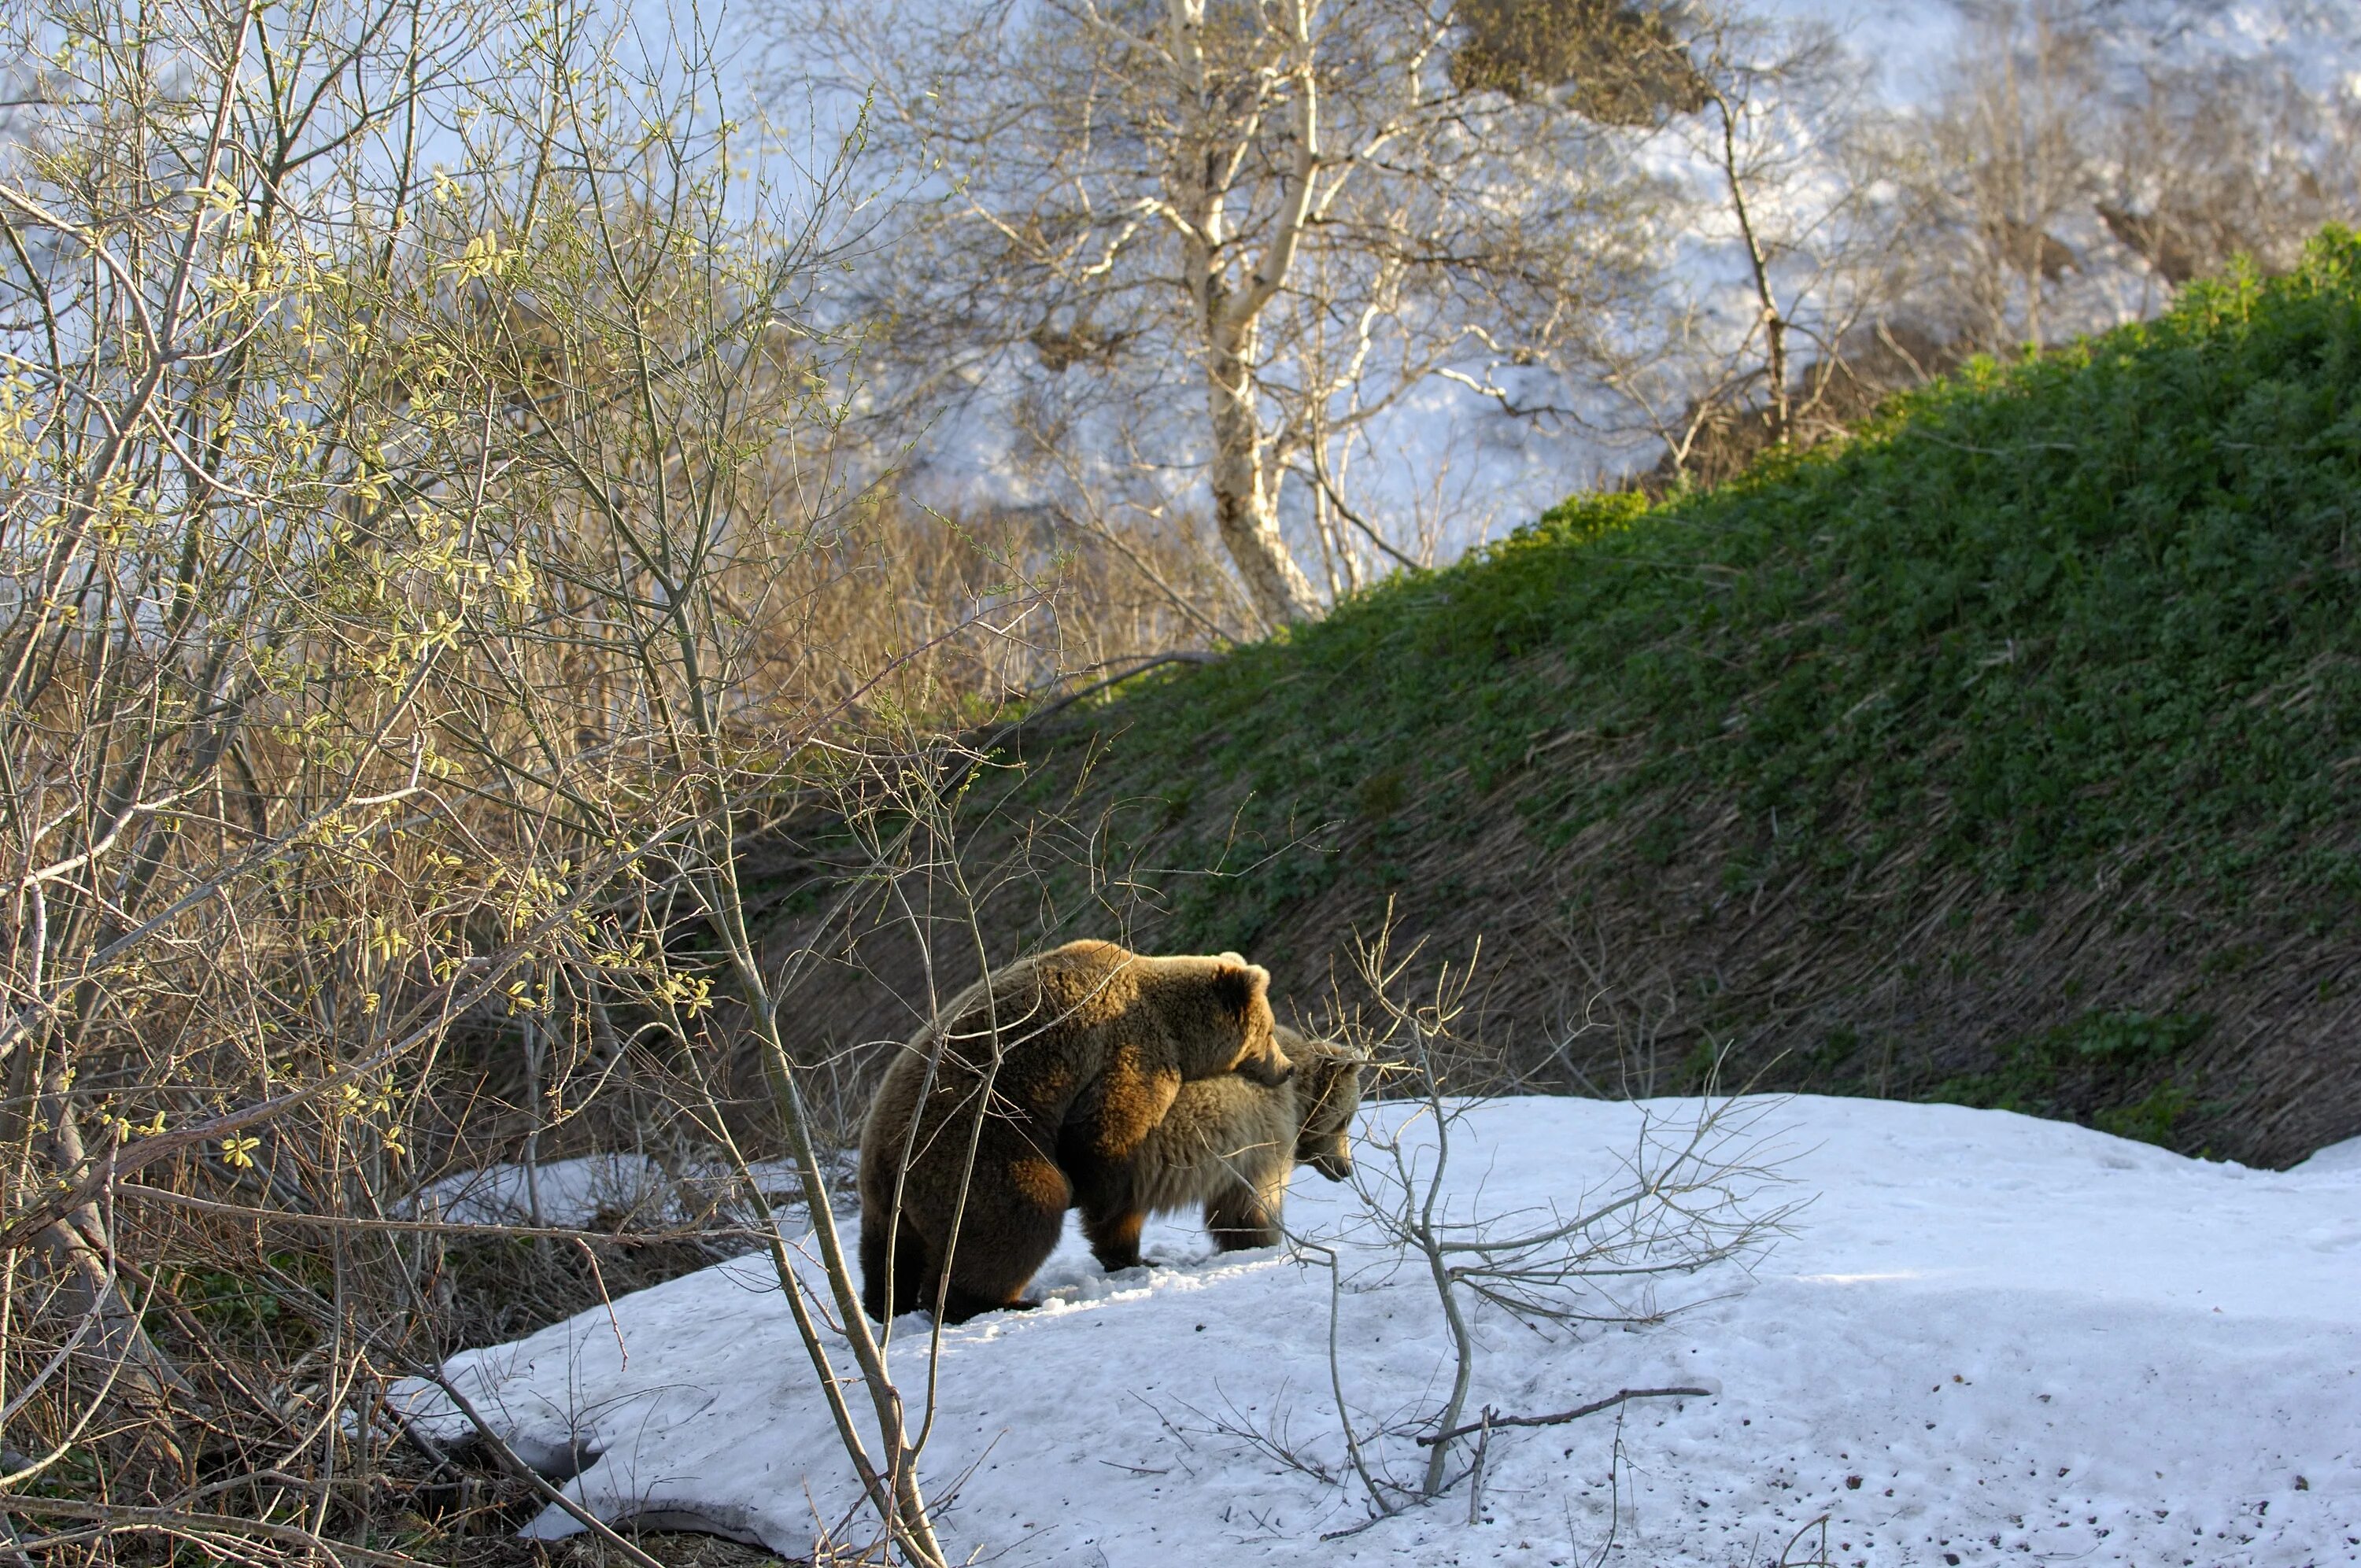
1228 1144
1067 1058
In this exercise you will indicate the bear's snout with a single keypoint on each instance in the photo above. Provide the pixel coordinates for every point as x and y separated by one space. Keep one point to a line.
1268 1067
1266 1061
1335 1162
1270 1071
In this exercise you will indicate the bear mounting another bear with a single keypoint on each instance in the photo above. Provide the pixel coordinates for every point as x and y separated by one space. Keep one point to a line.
1070 1057
1228 1146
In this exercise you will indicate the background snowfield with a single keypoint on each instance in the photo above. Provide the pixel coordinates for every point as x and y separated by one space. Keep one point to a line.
1989 1339
1446 452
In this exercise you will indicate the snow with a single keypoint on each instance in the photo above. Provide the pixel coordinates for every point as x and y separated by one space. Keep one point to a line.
1989 1338
584 1190
572 1191
2345 1157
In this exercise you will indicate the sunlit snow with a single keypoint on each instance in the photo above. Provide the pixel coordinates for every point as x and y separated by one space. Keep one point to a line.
1989 1339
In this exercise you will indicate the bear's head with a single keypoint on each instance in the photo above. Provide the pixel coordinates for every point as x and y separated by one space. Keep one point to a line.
1328 1093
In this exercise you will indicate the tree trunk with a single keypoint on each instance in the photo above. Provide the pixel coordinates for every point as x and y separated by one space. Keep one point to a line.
1246 497
1775 323
1246 509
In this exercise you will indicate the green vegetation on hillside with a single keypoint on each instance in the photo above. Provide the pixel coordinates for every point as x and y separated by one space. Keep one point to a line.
2034 617
2096 616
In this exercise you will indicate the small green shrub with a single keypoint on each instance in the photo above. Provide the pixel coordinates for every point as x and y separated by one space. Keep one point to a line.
2151 1120
2043 1076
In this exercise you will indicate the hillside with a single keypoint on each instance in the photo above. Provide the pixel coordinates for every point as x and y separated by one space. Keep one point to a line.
2005 755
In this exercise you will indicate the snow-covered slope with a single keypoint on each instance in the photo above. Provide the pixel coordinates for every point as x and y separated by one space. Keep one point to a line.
1989 1339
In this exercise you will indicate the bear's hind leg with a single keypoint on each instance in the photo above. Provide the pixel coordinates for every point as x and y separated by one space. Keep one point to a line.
913 1275
959 1305
1010 1229
873 1265
1245 1214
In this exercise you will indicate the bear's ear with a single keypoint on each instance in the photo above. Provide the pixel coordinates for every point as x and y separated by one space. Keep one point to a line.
1237 984
1330 1074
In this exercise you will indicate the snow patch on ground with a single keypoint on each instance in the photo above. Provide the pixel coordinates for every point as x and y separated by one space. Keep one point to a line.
586 1190
1990 1338
571 1191
2342 1159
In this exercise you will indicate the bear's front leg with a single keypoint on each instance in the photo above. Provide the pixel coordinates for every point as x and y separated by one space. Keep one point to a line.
1115 1237
1112 1115
1246 1215
1101 1134
1106 1192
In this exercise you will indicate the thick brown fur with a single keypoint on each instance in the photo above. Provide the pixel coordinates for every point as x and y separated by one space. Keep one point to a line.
1068 1059
1229 1146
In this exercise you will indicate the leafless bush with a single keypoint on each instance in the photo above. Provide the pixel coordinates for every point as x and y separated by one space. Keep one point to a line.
2067 149
1600 1000
2071 171
2012 145
428 561
1699 1189
2204 162
1610 61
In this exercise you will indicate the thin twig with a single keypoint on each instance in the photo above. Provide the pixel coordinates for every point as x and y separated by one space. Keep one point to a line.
509 1462
167 1520
599 1280
1476 1470
429 1227
1563 1416
1350 1530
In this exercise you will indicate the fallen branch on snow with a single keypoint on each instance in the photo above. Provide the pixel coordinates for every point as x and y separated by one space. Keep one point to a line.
1563 1416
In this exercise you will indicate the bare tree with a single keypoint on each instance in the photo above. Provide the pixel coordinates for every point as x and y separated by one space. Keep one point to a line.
2069 147
1784 226
1229 237
1700 1188
2013 143
2201 162
1765 91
